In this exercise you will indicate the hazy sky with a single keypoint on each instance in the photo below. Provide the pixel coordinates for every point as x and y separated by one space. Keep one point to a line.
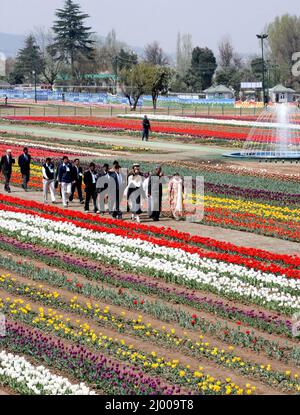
138 22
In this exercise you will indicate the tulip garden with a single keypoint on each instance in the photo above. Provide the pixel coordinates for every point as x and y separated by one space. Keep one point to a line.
95 305
205 129
228 131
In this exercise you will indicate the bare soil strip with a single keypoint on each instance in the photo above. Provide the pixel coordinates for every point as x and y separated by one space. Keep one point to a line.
148 346
210 317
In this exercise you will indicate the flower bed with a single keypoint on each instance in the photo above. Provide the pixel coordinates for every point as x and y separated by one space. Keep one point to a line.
129 281
177 126
235 282
20 375
162 235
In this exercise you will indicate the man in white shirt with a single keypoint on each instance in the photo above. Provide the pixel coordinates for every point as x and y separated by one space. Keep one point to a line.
48 180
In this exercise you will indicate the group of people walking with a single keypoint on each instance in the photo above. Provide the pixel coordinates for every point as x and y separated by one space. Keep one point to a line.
106 187
6 166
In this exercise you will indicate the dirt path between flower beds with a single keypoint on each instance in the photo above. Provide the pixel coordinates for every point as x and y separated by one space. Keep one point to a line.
156 323
170 286
246 354
5 390
209 317
147 346
63 372
240 238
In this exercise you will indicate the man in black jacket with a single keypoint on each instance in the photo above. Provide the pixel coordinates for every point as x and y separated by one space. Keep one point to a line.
155 193
90 180
102 187
115 190
77 181
65 178
24 163
146 128
6 164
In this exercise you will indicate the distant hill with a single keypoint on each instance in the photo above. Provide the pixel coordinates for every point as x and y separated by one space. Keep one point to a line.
9 43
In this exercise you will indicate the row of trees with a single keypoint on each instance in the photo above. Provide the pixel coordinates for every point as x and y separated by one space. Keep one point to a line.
69 51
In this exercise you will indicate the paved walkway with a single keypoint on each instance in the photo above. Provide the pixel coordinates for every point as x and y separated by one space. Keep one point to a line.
178 150
227 235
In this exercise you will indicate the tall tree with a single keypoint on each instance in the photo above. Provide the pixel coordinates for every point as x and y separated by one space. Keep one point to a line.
125 59
184 53
108 49
160 82
284 40
136 82
28 60
226 53
230 70
203 66
72 38
51 65
154 55
256 68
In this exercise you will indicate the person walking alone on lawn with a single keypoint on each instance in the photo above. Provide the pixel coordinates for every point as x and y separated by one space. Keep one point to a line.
90 180
77 181
146 128
6 164
65 180
48 180
24 163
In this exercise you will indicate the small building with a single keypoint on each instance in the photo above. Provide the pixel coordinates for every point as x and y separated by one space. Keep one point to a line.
282 94
219 92
251 91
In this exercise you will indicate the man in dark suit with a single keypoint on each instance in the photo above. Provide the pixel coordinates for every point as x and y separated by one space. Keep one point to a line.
115 190
102 187
6 164
65 179
77 181
146 128
90 180
24 163
155 193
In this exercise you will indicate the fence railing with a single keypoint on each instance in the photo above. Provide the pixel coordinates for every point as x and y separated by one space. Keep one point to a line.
113 111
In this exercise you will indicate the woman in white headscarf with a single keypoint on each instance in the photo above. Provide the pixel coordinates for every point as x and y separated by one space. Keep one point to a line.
134 193
176 196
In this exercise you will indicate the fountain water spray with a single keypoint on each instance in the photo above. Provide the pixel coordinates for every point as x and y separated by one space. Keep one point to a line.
274 135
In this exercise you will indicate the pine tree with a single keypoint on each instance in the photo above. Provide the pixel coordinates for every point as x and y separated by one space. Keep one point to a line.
72 38
29 59
203 66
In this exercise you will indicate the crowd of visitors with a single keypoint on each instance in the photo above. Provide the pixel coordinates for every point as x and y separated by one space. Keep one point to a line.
105 187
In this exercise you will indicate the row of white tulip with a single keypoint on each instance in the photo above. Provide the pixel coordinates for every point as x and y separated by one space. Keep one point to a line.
241 123
19 374
138 255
